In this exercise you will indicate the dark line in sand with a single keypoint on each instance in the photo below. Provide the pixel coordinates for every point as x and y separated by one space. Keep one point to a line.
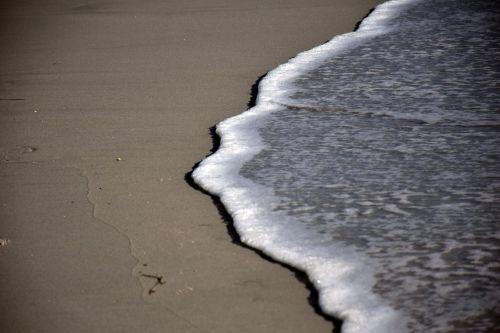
356 27
301 276
254 91
12 99
159 280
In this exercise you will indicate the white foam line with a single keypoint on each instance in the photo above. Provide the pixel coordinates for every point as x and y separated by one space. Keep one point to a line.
343 282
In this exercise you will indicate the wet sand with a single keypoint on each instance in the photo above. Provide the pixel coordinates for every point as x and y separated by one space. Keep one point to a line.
105 107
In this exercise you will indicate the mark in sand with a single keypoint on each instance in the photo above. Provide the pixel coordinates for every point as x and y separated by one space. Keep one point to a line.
160 280
16 154
28 149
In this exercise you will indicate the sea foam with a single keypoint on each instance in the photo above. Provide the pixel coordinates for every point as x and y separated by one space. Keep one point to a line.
344 284
334 186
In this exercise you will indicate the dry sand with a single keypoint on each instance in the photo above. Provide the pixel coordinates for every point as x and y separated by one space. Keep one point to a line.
104 108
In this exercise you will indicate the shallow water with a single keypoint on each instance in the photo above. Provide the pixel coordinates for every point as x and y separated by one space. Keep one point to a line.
378 170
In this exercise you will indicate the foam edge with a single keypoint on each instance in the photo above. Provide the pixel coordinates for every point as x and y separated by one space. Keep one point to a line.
344 291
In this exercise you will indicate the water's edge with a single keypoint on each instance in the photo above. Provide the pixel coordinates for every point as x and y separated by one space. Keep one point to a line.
300 275
219 175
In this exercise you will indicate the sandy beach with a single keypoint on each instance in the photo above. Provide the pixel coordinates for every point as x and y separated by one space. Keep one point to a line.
105 108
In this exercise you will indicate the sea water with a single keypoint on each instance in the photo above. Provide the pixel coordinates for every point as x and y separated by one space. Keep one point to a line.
373 163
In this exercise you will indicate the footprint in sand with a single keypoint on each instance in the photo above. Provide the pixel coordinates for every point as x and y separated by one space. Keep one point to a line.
16 154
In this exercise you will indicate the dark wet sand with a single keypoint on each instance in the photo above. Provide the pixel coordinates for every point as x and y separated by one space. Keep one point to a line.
105 106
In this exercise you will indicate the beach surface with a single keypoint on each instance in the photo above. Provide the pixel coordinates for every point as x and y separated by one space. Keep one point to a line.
105 108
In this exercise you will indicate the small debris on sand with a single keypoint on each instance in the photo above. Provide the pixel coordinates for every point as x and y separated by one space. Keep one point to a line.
28 149
160 280
4 241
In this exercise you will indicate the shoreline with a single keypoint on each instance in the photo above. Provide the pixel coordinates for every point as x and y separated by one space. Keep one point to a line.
252 206
105 107
300 275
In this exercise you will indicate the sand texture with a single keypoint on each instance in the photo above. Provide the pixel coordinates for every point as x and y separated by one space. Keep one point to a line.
105 107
